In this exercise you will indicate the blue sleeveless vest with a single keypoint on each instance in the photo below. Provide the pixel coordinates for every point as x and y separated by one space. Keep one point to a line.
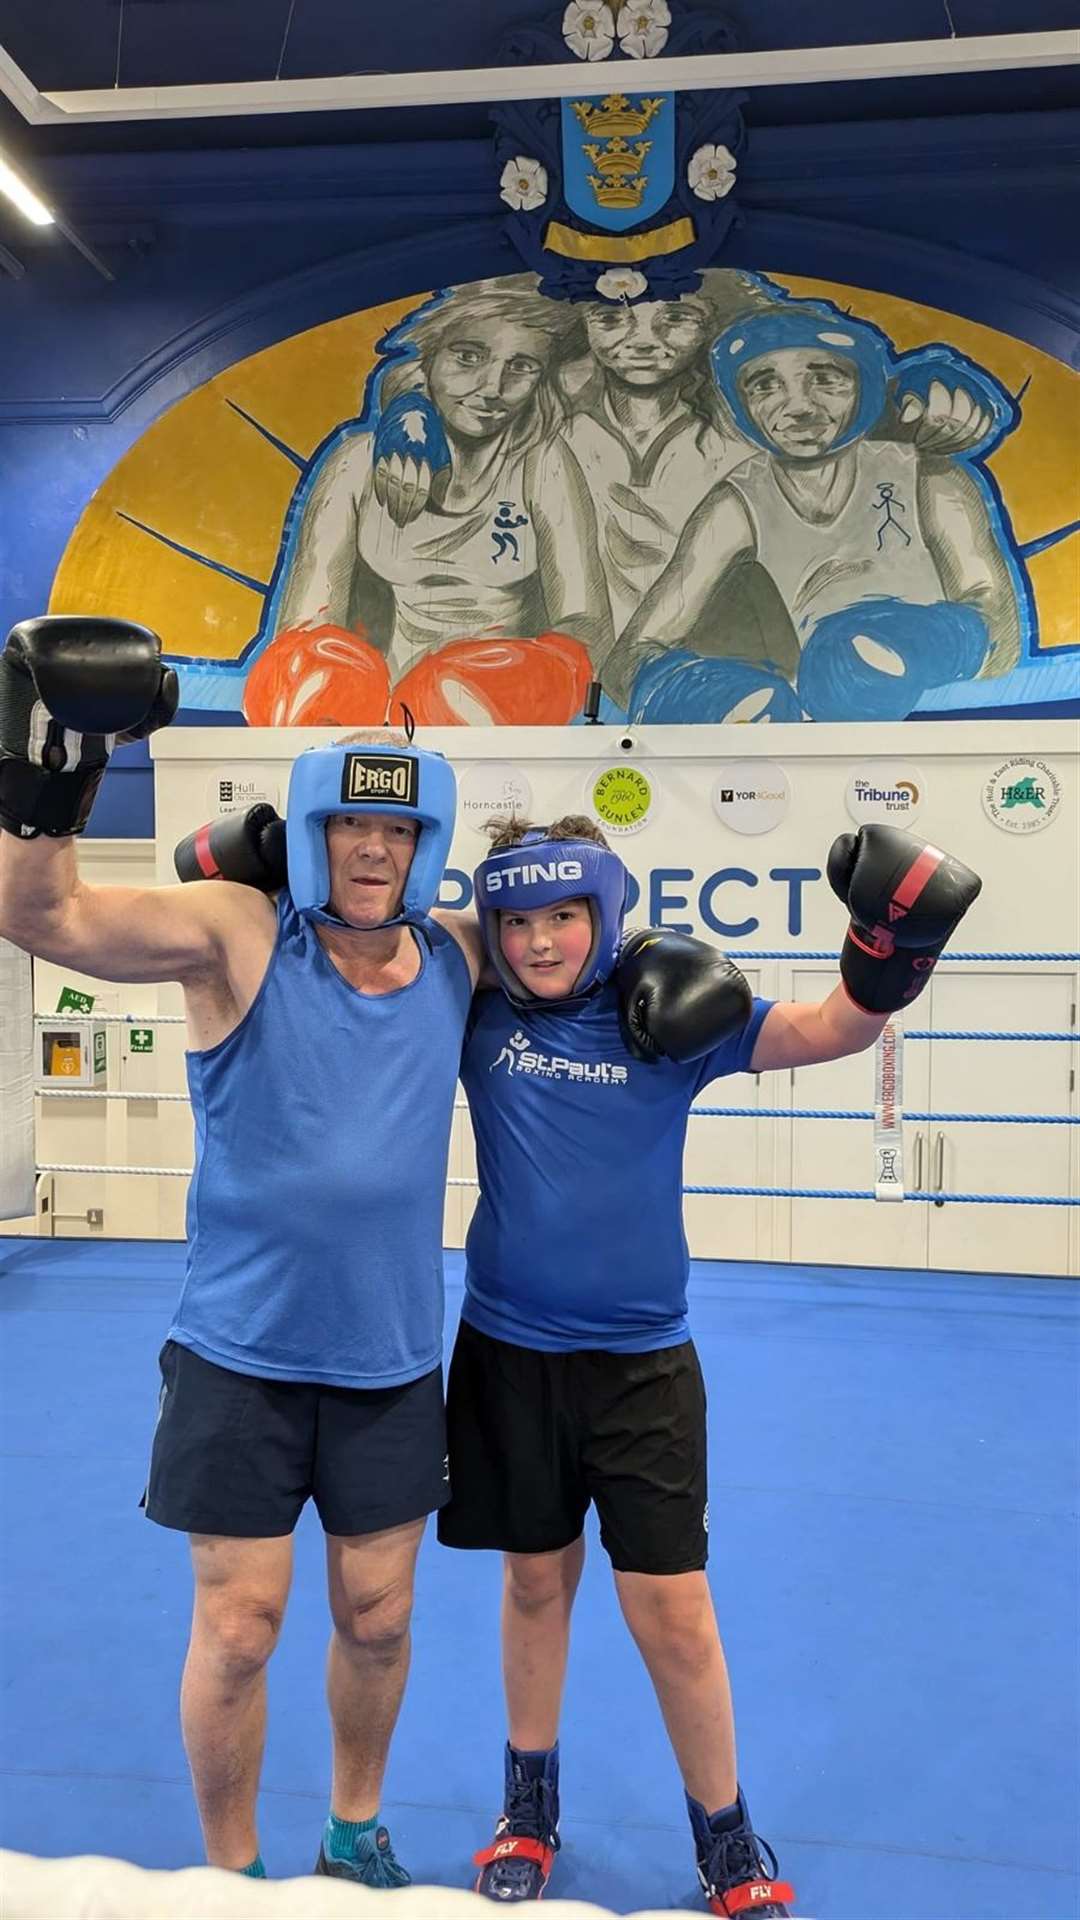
315 1211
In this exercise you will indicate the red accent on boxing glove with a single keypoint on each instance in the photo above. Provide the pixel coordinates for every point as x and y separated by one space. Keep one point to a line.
317 677
496 682
246 847
203 856
905 899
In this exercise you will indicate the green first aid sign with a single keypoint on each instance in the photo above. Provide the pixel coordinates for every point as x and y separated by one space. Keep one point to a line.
142 1039
72 1001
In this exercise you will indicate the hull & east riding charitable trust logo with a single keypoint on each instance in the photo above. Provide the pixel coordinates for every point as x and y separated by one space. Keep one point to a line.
1022 795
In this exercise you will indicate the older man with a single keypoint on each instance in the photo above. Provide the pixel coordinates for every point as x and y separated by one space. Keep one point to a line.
304 1359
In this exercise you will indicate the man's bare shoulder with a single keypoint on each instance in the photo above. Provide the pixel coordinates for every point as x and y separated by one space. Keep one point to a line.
465 929
241 919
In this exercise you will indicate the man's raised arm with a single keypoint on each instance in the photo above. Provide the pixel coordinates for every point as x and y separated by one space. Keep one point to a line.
69 688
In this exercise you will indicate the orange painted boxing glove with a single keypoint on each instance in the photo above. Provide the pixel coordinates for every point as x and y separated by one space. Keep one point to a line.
317 677
498 683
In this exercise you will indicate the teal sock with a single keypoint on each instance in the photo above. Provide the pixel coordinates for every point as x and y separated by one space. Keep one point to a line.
256 1871
341 1836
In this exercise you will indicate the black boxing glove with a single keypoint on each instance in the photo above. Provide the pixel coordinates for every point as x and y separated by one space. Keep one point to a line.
905 899
246 847
71 686
678 997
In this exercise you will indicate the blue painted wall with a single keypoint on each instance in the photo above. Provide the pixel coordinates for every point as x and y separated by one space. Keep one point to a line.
220 254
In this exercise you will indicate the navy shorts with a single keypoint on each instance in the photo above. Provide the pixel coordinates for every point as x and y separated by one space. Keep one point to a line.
536 1438
237 1455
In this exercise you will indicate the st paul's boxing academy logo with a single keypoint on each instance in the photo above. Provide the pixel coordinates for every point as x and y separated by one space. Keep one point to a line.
520 1056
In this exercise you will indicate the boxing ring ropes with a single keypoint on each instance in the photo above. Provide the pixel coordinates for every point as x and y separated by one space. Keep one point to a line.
936 1196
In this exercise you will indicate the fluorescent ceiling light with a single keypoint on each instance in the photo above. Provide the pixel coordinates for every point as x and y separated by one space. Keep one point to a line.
19 194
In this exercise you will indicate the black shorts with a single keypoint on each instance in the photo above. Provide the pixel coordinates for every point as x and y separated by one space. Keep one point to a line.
535 1437
237 1455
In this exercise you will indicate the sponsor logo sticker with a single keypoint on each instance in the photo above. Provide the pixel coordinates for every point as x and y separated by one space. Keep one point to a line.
886 793
621 797
1022 795
752 796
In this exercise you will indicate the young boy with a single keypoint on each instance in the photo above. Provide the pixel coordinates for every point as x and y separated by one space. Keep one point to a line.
574 1378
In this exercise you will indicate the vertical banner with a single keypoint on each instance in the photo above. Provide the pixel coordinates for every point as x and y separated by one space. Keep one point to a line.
16 1084
889 1112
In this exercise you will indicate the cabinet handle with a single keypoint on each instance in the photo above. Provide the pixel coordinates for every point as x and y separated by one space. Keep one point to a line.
939 1170
918 1161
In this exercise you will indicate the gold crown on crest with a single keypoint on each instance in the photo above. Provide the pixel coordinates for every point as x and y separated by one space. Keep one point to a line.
615 117
618 181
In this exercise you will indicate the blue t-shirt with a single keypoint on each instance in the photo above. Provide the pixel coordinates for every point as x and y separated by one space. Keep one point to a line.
577 1240
322 1132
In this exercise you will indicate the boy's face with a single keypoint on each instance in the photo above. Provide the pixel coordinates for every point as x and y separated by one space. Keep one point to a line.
801 398
548 946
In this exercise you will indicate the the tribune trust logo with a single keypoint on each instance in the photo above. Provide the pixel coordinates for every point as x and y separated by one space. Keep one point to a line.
885 795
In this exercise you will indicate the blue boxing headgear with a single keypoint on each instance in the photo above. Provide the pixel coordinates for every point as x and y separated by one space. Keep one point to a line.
381 779
807 324
539 872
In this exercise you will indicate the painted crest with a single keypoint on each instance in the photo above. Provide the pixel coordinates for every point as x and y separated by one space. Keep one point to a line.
618 192
618 157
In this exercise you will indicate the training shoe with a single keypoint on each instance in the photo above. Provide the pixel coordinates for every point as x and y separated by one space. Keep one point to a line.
518 1863
737 1870
374 1864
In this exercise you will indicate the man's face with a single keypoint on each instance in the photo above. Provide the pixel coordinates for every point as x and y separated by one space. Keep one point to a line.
647 345
800 398
370 855
485 374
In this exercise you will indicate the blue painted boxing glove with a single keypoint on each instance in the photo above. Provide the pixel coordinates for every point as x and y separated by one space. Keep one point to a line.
951 405
876 660
680 686
409 448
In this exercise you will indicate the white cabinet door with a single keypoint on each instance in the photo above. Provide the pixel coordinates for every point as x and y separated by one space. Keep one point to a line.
839 1153
1011 1078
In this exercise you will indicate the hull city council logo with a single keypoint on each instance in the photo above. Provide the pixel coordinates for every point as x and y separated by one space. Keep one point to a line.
1021 795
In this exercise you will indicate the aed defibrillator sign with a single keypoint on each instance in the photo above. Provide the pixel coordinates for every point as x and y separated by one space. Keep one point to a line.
381 776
